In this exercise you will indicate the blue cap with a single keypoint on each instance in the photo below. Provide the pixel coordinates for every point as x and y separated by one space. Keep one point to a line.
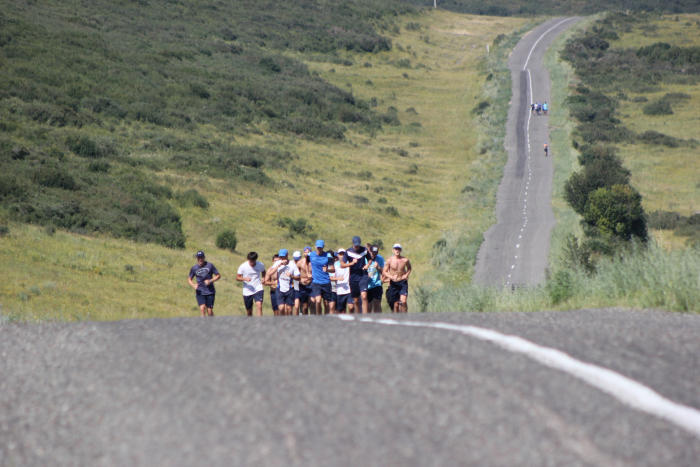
283 252
356 241
320 243
200 254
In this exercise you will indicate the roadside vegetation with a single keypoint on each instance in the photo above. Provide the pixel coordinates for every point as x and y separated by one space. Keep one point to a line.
196 133
605 140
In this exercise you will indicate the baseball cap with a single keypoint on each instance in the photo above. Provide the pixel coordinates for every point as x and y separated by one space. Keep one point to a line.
341 250
320 243
200 254
307 248
283 252
297 255
374 248
397 245
356 241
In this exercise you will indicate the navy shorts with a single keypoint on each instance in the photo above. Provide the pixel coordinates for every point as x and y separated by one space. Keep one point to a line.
342 302
303 293
273 299
249 299
207 300
334 297
399 288
358 285
324 290
391 297
375 293
285 298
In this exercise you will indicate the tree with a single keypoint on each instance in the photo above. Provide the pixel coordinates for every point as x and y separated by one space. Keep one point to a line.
617 211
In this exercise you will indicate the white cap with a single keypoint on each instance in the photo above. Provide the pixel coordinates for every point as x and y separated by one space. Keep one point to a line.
297 255
398 245
341 250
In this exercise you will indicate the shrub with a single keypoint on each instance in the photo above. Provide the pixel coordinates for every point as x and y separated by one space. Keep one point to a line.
616 211
84 147
666 220
659 139
55 178
412 169
227 240
356 199
99 166
660 107
560 287
191 197
296 227
391 211
4 231
598 173
481 107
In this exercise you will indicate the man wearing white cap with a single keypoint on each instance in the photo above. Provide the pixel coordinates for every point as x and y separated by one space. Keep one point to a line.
296 256
287 271
341 278
397 269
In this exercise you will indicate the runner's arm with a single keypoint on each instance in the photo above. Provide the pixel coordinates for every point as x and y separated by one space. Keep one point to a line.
408 270
214 278
240 278
194 285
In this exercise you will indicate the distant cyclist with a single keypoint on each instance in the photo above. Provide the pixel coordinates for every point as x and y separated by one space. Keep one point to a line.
546 149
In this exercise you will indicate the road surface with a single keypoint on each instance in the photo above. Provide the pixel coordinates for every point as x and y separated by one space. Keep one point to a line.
515 250
319 391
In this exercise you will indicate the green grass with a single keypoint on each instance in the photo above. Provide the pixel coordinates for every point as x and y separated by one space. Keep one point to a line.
419 168
649 278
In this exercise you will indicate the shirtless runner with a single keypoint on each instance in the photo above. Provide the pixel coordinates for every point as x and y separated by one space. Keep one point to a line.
304 265
397 269
271 280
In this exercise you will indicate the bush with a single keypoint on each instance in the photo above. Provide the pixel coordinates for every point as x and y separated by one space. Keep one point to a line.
391 211
191 198
84 147
4 231
481 107
55 178
560 287
296 227
659 139
596 174
660 107
616 211
227 240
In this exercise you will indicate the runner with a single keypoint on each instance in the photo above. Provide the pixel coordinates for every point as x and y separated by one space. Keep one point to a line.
296 256
341 278
271 280
249 273
333 302
321 265
397 270
286 271
304 265
546 148
374 284
532 108
545 108
355 259
205 292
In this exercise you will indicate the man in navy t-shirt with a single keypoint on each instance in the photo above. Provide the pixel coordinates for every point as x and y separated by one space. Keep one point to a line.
355 258
206 274
321 265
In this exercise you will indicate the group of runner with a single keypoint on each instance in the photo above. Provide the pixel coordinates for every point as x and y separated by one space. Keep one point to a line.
313 281
539 109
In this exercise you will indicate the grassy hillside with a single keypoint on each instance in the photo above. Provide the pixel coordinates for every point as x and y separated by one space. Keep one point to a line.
221 129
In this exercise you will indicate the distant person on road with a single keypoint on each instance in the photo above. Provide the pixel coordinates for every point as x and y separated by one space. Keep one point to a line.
545 108
271 280
546 149
333 302
287 272
249 273
355 259
532 108
206 274
321 265
341 277
296 256
374 284
397 269
304 295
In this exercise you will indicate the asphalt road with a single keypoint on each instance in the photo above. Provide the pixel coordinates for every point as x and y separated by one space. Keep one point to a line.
318 391
515 249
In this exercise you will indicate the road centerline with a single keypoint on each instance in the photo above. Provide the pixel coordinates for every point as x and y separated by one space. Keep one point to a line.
626 390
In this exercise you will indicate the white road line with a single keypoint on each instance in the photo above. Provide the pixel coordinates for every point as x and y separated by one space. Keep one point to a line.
626 390
538 40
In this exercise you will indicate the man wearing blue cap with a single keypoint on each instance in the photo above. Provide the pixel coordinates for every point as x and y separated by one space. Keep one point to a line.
205 292
321 265
249 273
355 258
287 272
